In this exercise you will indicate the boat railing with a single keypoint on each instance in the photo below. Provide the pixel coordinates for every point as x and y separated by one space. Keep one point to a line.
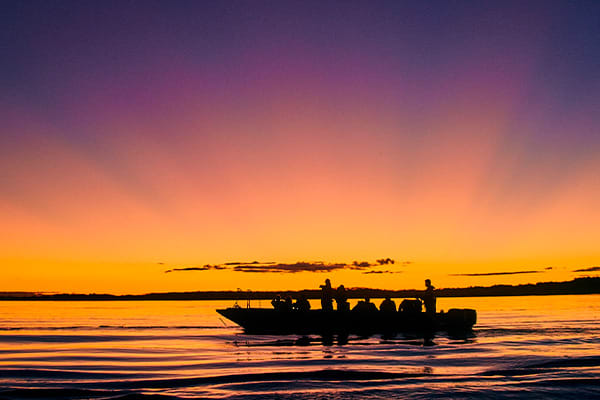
241 291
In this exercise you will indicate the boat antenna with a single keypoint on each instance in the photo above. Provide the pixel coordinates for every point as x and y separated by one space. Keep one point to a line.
235 304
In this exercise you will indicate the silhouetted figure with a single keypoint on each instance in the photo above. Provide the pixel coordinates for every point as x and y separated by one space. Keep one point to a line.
341 299
413 306
429 298
388 305
277 303
287 303
365 306
327 296
301 303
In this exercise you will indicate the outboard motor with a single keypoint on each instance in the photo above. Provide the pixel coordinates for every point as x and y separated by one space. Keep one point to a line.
461 317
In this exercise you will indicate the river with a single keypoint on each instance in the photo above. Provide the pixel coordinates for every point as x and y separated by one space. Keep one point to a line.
521 347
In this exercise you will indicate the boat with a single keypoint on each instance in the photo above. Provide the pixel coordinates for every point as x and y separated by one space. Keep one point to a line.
286 322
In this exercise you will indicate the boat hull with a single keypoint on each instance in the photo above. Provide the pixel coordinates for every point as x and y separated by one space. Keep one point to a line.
276 322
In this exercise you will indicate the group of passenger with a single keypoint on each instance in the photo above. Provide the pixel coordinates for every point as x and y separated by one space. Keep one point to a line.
328 294
286 304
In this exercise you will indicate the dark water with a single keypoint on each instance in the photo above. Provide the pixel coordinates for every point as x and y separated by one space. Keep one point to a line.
522 347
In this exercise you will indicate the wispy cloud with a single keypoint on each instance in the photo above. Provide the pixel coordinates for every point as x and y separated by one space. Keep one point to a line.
373 271
499 273
589 269
250 263
202 268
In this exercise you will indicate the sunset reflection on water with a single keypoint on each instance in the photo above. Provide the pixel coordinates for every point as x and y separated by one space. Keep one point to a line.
185 348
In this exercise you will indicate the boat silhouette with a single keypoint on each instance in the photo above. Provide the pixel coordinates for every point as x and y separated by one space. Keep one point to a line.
285 322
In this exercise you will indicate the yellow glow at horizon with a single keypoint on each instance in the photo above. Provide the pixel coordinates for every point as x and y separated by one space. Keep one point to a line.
76 226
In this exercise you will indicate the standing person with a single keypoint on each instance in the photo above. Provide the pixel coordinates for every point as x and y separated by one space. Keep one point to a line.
341 298
327 296
429 298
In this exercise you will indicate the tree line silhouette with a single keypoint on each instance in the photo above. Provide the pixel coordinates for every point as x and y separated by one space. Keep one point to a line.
587 285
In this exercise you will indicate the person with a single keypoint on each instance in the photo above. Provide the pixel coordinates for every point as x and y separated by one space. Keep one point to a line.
429 298
341 299
388 305
277 302
301 303
287 303
327 296
365 306
413 306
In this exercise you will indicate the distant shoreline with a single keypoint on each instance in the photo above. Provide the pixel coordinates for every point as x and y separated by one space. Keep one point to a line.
589 285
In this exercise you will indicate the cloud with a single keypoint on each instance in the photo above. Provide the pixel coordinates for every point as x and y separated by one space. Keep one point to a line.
301 266
499 273
290 268
589 269
360 265
250 263
382 272
202 268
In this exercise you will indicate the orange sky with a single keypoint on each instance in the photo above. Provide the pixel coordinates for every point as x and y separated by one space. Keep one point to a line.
463 145
76 228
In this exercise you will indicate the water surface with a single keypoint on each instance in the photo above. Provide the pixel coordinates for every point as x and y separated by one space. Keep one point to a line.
535 347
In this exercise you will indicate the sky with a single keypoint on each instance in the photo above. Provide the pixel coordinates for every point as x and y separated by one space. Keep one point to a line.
147 145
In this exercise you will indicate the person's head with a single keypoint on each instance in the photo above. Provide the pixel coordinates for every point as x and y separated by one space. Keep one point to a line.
388 298
341 288
428 282
327 282
367 299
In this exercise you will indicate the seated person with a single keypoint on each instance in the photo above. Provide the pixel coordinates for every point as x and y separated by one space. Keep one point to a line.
301 303
388 305
411 306
287 303
365 306
277 303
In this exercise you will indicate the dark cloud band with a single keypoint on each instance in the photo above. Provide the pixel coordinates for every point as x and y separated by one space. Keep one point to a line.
499 273
301 266
589 269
